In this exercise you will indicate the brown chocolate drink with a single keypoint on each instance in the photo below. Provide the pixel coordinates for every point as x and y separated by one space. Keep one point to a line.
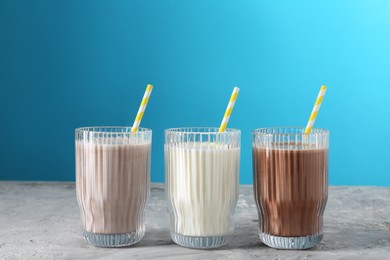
112 184
291 190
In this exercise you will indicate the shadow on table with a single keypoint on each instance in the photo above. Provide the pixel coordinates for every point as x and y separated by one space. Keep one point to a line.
156 237
246 237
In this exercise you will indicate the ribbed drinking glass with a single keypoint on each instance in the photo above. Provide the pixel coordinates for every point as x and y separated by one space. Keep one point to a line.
201 176
112 183
290 185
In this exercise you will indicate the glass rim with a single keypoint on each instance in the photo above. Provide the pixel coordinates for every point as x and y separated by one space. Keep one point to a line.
187 130
321 131
91 129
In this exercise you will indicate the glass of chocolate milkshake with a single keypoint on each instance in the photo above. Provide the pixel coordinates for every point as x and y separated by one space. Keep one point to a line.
201 180
290 170
112 183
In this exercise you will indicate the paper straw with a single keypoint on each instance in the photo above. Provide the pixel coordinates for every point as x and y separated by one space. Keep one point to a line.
229 109
142 108
315 110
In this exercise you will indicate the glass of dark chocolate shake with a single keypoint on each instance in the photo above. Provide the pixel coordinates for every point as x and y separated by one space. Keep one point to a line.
290 170
112 183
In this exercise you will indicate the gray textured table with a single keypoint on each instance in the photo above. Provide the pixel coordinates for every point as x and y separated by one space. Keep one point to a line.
41 221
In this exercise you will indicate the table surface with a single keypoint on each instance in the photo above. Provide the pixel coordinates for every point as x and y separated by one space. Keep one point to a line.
41 221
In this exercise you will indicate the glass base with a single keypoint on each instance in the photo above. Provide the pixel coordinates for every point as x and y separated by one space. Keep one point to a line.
113 240
291 242
200 242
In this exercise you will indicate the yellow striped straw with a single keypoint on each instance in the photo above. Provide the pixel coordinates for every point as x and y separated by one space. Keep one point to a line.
315 110
229 109
142 108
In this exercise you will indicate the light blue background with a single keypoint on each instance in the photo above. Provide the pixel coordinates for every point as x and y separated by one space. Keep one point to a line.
71 63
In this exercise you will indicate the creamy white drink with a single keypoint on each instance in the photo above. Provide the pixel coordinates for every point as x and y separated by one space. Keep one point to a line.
202 187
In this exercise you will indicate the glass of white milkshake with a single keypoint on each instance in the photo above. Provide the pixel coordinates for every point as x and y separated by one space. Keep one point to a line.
112 183
201 175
